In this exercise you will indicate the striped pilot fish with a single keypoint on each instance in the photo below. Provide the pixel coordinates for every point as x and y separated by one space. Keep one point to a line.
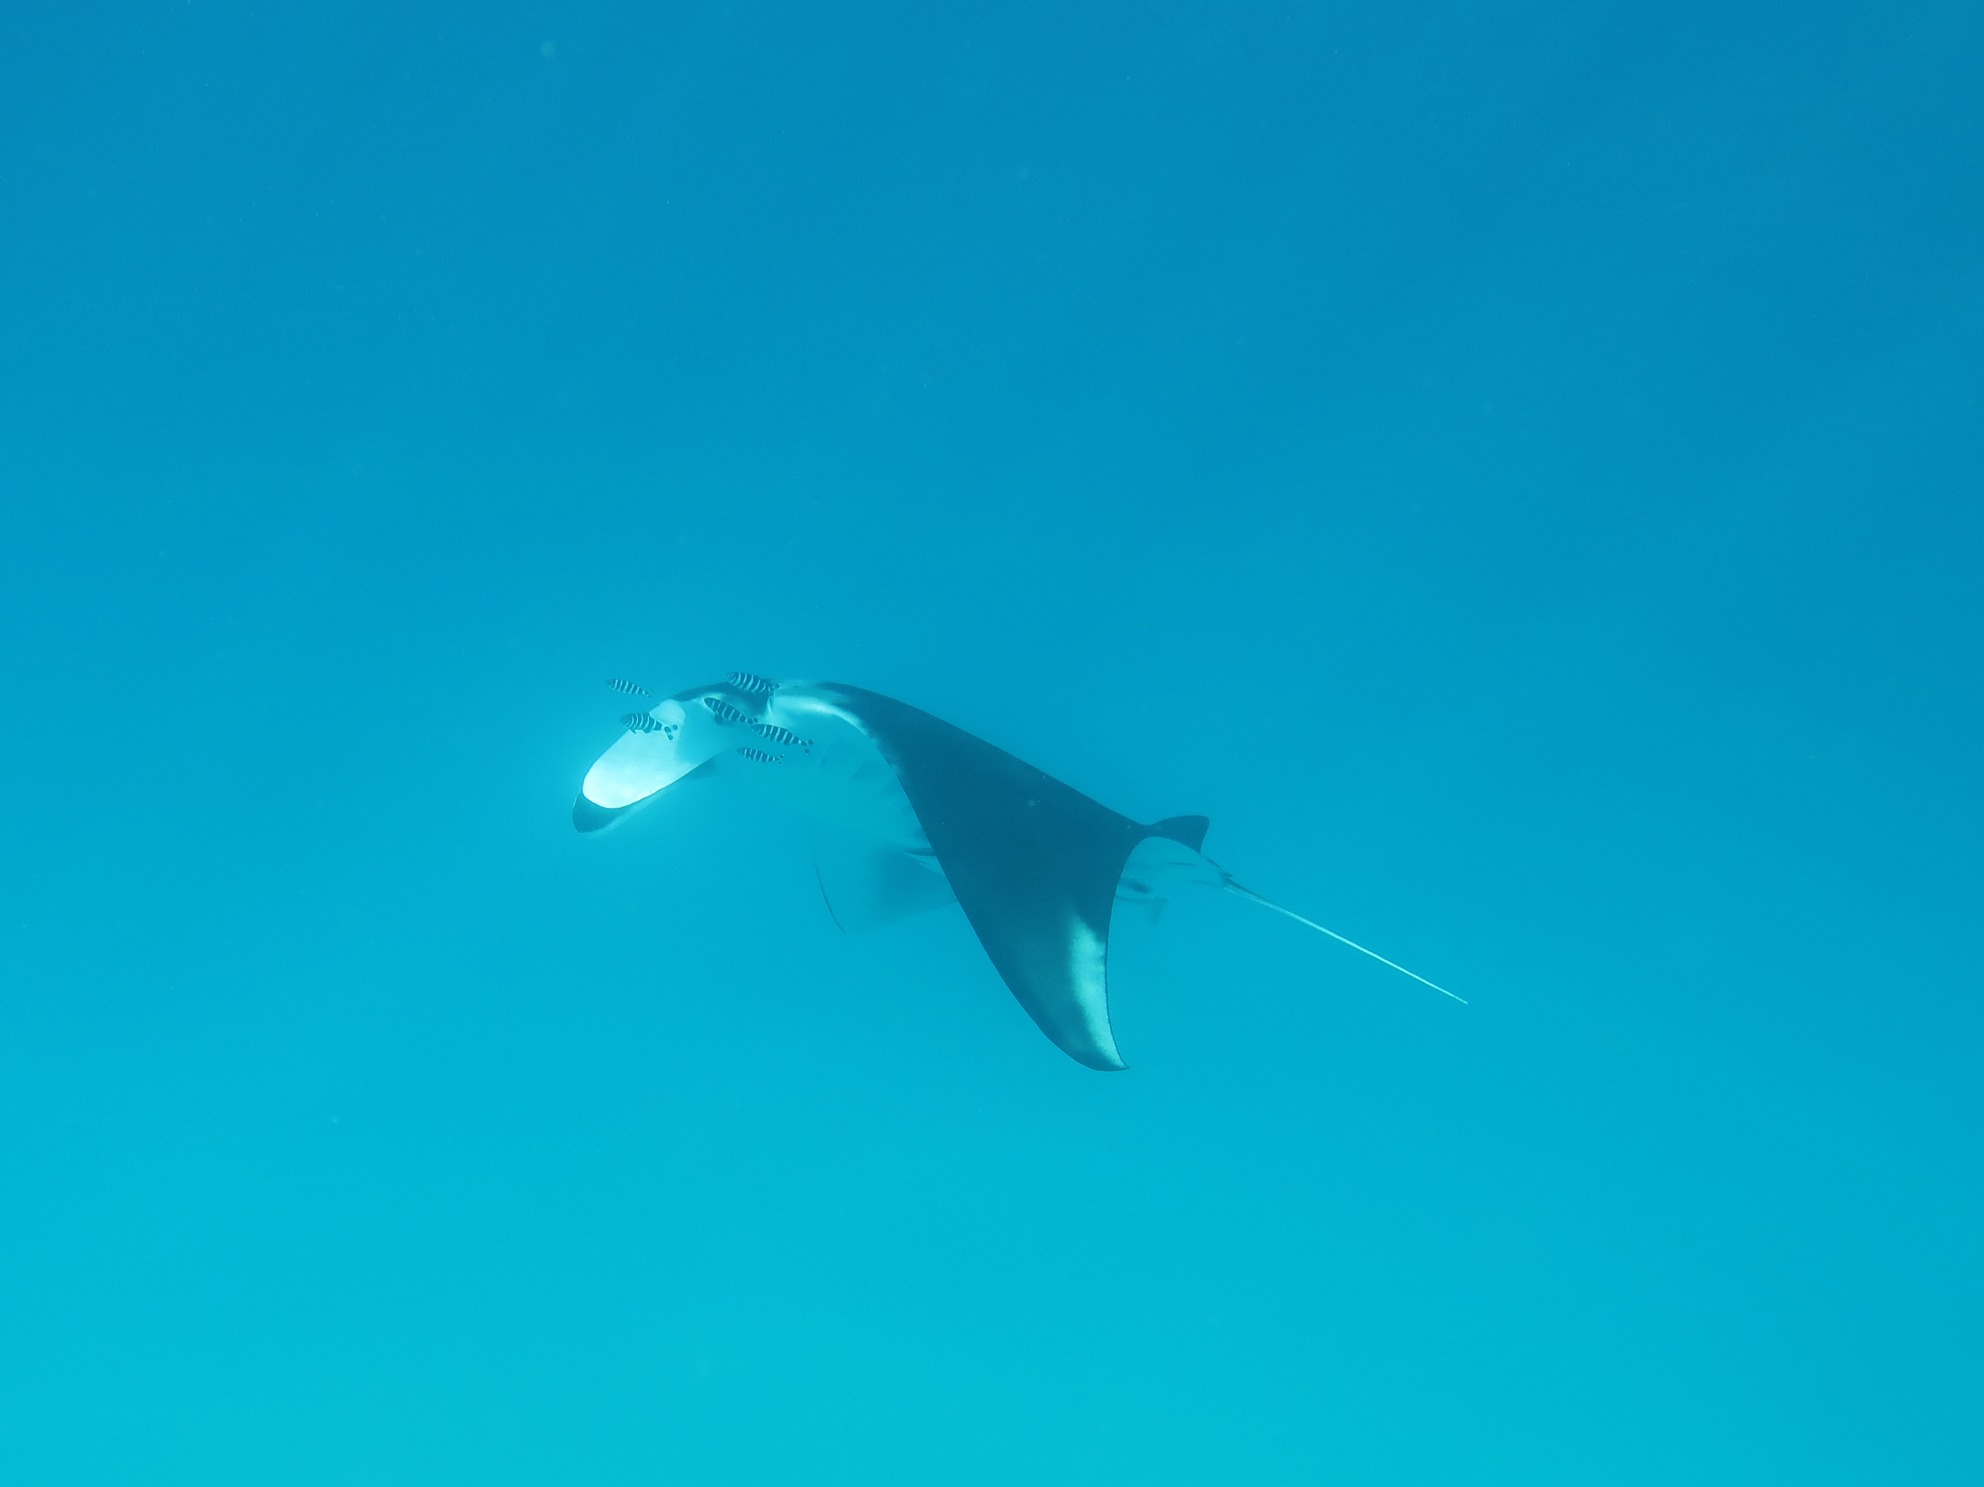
760 756
775 734
726 712
755 685
647 723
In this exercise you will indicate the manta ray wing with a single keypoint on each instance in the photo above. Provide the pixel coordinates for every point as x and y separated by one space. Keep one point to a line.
866 886
1034 863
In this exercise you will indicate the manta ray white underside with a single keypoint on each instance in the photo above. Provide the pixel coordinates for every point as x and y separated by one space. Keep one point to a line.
911 813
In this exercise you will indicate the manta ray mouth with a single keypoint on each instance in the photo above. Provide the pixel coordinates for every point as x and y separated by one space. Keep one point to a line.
589 815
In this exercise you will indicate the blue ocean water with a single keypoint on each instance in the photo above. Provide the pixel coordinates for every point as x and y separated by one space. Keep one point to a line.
1515 469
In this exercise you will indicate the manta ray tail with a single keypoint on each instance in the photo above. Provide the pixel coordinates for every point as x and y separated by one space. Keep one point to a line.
1268 903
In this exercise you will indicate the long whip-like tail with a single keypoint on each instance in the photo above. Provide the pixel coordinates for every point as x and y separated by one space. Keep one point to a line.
1268 903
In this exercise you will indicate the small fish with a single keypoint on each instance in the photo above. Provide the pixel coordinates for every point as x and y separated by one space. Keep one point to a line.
780 735
757 686
648 723
760 756
725 712
629 688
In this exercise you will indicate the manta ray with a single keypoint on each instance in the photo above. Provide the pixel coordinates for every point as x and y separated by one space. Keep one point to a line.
911 813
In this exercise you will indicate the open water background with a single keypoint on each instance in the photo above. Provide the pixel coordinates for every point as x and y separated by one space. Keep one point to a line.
1515 468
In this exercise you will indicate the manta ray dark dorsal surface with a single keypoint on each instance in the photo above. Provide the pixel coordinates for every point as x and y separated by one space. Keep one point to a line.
1034 863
